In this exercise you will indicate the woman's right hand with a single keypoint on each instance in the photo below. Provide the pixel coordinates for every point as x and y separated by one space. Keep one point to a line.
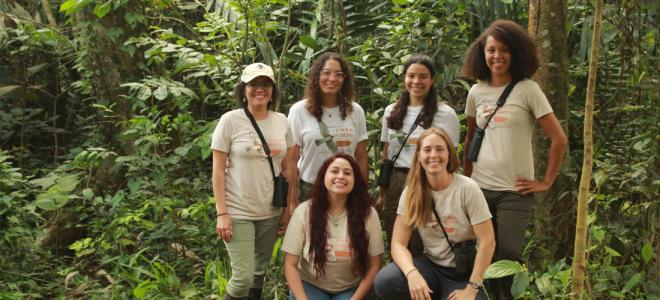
419 290
379 203
223 227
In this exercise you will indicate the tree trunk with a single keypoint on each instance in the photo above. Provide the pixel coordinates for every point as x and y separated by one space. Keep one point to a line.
552 209
579 257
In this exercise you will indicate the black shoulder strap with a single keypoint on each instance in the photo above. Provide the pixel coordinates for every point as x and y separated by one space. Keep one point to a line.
502 100
412 128
263 140
437 217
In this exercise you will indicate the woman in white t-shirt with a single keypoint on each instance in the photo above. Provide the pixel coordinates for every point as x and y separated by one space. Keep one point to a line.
419 96
327 121
444 207
243 186
504 169
333 243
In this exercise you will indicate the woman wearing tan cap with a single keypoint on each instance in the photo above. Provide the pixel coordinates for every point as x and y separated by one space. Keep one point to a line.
247 218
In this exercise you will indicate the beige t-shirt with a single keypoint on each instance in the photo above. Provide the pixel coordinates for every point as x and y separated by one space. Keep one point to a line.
339 274
506 151
248 179
460 205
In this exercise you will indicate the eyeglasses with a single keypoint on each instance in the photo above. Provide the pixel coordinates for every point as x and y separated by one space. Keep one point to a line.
260 85
337 75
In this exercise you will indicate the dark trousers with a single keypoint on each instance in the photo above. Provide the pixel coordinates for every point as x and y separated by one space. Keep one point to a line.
391 283
511 212
391 204
304 190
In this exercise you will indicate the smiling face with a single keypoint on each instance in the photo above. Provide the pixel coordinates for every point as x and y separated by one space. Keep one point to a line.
498 57
331 78
339 178
434 154
258 92
418 81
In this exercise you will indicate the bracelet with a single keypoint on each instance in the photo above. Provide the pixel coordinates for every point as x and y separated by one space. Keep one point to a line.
222 214
411 270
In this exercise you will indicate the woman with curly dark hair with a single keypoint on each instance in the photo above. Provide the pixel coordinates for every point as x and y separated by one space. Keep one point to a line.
327 121
418 98
337 234
505 55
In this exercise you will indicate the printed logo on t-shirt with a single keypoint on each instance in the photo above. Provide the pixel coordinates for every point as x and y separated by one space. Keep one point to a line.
339 141
485 108
449 222
338 249
275 146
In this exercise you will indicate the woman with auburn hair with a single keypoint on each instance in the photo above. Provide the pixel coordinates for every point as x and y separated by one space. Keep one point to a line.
333 243
505 55
247 220
418 100
448 210
327 121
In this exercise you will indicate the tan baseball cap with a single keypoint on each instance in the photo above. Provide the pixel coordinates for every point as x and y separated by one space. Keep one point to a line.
255 70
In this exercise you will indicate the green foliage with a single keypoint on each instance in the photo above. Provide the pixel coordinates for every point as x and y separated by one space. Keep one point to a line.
105 188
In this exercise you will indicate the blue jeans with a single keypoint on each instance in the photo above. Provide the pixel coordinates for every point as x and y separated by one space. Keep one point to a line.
316 293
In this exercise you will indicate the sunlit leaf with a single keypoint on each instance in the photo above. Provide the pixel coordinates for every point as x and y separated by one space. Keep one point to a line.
503 268
647 252
102 9
612 252
4 90
161 93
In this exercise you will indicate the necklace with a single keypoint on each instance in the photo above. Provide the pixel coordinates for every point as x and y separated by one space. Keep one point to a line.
337 220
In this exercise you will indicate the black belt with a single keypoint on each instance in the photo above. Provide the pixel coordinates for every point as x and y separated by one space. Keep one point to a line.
402 170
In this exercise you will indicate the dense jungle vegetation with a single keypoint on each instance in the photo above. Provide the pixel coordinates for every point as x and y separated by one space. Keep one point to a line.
107 107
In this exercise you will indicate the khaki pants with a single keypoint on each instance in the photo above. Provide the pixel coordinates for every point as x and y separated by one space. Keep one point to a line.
250 250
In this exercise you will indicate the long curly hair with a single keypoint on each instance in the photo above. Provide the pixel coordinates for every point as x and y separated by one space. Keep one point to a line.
358 206
418 192
400 109
524 54
313 92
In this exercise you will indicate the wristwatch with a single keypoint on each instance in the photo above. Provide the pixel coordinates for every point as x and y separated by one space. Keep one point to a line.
476 284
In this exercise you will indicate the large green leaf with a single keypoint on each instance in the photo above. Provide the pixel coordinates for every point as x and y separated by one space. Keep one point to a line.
51 201
67 183
503 268
520 284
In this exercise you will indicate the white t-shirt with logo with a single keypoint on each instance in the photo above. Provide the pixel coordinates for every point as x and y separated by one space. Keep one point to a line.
339 274
445 118
248 179
506 151
315 147
460 205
